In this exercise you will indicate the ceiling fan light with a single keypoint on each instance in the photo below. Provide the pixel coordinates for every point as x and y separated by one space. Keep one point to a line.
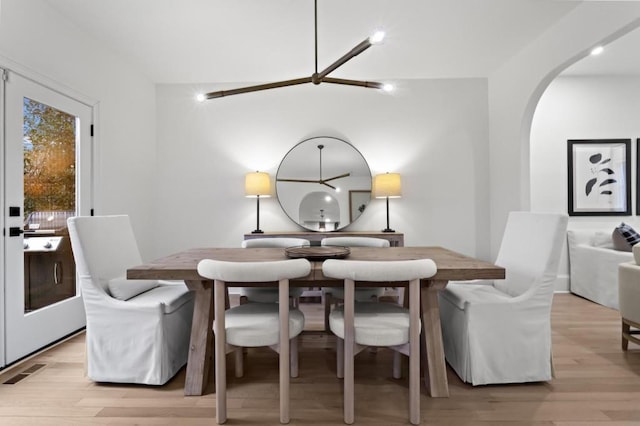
387 87
200 97
377 37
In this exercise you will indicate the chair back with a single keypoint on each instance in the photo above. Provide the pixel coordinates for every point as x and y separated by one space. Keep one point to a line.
244 272
103 248
355 242
275 242
379 271
530 252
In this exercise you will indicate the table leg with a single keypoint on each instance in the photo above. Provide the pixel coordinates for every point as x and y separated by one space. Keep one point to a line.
414 352
349 343
283 311
198 363
220 352
435 367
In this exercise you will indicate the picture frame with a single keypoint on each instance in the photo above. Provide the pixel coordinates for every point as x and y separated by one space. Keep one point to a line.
358 200
599 177
637 177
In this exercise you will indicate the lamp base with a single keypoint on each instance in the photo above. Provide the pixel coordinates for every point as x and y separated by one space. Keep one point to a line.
258 231
388 230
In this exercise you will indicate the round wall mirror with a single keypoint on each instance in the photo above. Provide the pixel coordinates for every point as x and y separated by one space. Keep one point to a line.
323 184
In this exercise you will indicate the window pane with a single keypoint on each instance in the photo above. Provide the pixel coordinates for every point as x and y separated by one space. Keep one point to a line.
49 145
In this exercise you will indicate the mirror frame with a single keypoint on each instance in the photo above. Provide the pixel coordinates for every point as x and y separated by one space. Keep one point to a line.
337 171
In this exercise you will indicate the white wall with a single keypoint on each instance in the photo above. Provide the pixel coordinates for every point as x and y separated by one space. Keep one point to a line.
580 108
433 132
37 40
515 88
459 184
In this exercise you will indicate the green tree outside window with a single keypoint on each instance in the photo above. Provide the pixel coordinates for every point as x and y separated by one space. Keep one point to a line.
49 139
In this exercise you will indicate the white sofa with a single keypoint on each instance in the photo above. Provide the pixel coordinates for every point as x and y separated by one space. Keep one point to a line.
630 300
593 265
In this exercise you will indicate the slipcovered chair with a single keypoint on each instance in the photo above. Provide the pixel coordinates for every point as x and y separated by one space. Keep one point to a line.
379 324
500 332
270 295
255 324
137 330
331 295
629 294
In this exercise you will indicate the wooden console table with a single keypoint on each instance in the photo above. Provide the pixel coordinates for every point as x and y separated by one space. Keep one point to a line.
395 238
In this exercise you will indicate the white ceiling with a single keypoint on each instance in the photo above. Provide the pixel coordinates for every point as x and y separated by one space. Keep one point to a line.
191 41
618 58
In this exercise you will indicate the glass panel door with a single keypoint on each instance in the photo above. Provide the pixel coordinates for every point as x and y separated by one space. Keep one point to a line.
47 180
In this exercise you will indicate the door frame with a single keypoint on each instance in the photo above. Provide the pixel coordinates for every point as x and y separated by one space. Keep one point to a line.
9 66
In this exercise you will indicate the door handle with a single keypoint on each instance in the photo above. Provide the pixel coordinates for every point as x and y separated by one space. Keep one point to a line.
15 231
56 272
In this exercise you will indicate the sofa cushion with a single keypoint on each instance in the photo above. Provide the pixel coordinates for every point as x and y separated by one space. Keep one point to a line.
169 297
602 239
624 237
124 289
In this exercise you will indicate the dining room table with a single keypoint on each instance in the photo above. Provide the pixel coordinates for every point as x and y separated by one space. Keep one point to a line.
452 266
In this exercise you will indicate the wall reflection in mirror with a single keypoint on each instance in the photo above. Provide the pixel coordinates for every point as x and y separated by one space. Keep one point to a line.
319 211
316 179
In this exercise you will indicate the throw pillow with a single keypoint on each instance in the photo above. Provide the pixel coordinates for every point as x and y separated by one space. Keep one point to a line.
124 289
624 237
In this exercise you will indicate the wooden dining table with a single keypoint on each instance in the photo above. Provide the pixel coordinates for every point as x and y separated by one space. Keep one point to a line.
451 266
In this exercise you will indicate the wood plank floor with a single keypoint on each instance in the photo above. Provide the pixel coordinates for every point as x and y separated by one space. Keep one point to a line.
596 384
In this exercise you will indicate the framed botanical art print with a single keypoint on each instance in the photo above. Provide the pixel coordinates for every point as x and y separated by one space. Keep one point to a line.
638 176
358 200
599 177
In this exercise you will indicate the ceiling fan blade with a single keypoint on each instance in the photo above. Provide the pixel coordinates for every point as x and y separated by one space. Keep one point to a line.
330 186
337 177
361 83
266 86
321 182
299 180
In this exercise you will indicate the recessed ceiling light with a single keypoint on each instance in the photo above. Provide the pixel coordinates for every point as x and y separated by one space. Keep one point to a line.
597 50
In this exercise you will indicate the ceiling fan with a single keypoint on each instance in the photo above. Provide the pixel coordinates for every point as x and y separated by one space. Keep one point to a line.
319 180
316 77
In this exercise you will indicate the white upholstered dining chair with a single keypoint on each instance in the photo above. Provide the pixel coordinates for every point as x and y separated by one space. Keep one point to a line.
378 324
332 295
137 330
256 324
270 295
500 332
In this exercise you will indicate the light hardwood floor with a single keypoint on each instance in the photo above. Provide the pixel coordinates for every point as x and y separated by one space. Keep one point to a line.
596 384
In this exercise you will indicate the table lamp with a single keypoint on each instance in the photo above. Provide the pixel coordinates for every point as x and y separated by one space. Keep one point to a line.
256 185
387 185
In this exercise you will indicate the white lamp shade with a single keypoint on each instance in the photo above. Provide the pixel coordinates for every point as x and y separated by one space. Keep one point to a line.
387 185
257 184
